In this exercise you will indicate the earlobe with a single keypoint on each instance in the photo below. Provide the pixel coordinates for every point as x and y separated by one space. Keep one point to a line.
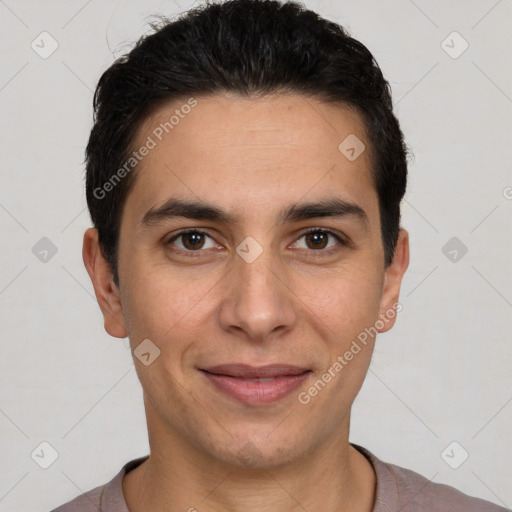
107 293
390 305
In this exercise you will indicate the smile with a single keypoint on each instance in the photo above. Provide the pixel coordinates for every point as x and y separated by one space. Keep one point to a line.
256 386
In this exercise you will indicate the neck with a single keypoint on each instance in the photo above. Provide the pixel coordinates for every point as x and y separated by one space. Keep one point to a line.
178 476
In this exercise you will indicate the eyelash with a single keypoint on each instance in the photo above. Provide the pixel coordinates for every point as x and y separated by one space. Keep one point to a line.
342 241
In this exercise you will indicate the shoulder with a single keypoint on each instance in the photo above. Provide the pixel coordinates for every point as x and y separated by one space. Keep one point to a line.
405 490
104 498
419 493
89 501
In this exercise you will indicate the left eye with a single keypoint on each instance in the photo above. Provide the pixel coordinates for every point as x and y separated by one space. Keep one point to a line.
318 239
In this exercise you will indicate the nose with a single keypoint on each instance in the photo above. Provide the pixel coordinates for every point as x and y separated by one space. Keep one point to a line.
259 303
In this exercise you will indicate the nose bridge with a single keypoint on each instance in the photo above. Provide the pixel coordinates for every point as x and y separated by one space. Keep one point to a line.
257 277
259 301
256 282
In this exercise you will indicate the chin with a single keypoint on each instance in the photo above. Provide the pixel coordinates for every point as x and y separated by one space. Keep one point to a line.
257 452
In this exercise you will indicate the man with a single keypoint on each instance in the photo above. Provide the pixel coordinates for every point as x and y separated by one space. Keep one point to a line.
244 177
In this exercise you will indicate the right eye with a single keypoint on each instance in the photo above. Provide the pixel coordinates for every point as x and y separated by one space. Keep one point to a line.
191 240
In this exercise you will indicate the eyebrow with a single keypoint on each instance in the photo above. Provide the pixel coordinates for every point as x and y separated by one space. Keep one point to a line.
197 210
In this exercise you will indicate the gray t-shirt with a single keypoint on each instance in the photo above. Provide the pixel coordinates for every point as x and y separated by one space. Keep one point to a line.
398 489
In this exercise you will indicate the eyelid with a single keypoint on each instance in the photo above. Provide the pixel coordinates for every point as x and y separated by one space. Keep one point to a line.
342 239
331 231
184 231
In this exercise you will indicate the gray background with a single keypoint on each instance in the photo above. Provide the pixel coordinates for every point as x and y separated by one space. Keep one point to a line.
443 374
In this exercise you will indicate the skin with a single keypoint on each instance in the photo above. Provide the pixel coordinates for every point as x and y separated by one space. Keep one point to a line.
295 304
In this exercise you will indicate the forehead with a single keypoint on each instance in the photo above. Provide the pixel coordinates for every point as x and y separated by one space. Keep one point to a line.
270 150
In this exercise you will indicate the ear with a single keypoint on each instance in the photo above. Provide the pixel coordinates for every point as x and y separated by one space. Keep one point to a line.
389 304
107 293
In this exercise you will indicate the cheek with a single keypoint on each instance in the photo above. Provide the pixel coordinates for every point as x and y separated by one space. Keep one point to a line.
343 304
340 311
166 307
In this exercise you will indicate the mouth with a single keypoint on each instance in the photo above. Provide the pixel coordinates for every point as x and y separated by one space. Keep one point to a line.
256 385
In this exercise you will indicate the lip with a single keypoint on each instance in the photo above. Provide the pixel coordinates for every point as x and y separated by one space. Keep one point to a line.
245 371
244 383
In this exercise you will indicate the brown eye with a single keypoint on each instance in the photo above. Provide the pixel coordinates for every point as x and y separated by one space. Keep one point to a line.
319 239
192 241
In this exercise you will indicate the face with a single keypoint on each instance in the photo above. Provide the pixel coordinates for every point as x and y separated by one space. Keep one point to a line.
250 239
